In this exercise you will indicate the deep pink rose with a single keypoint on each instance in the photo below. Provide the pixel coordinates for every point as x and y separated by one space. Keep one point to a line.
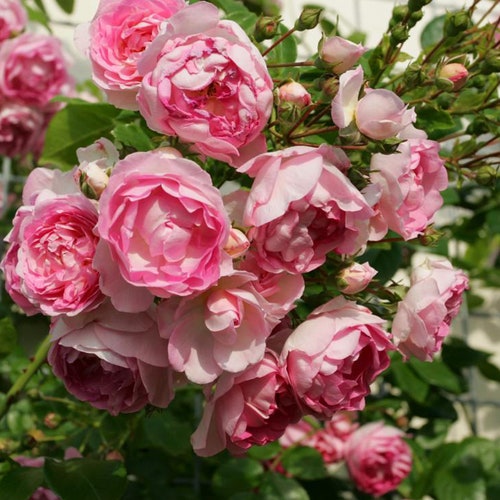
410 182
115 40
205 82
164 223
113 360
424 315
13 18
334 355
22 130
378 459
302 206
340 53
222 329
48 266
249 408
33 69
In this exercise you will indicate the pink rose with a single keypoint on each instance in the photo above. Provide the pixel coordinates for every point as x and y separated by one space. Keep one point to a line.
378 459
302 206
380 114
357 277
22 130
249 408
455 72
113 360
13 18
340 53
48 266
423 318
223 329
32 69
410 181
205 82
294 93
334 355
164 223
115 40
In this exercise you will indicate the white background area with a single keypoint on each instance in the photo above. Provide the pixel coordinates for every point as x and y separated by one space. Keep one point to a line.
481 328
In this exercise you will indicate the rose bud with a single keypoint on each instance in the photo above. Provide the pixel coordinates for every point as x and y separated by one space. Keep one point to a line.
455 72
294 93
237 243
340 53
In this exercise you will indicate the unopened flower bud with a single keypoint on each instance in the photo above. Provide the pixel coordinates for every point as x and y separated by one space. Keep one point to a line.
399 34
115 455
266 28
237 243
486 175
356 277
455 72
477 127
308 19
339 53
491 63
446 100
415 5
430 237
330 86
52 420
444 84
413 74
92 179
415 17
399 13
294 93
456 22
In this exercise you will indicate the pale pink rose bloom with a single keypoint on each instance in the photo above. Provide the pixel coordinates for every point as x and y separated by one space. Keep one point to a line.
116 38
357 277
249 408
164 223
342 54
334 355
22 130
43 179
410 182
294 93
381 114
302 206
423 318
113 360
33 69
222 329
13 18
205 82
377 458
346 100
48 266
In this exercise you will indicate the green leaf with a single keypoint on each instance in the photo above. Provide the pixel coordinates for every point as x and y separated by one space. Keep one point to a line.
20 483
435 122
237 475
304 462
274 486
77 125
86 479
409 382
438 374
489 370
432 32
8 336
237 11
163 430
66 5
133 135
386 262
457 354
265 452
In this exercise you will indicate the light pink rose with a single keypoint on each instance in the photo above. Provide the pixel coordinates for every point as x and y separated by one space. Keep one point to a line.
48 266
378 459
334 355
381 114
342 54
33 69
113 360
357 277
455 72
302 206
205 82
410 182
346 99
164 223
423 318
22 130
13 18
222 329
294 93
116 38
249 408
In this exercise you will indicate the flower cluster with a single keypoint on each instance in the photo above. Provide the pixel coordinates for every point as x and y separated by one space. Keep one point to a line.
155 275
33 70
